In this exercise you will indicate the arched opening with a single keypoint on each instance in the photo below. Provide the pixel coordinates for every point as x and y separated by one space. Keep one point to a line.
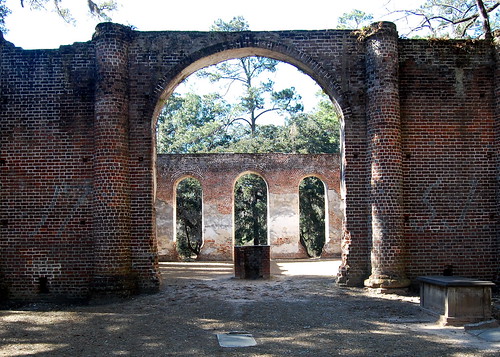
188 218
248 105
250 210
215 232
307 66
313 210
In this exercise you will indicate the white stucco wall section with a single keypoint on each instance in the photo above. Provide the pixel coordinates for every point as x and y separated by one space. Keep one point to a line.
283 225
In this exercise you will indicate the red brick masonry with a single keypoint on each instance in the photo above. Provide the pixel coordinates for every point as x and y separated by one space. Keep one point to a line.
420 156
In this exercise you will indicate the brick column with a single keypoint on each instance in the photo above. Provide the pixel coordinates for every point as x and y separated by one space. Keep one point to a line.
496 54
112 264
385 158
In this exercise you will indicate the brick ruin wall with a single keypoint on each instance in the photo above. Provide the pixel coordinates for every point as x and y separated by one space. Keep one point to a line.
218 173
420 164
450 157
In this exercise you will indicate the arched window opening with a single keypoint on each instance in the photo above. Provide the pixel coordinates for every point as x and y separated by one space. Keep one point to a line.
188 222
312 209
250 211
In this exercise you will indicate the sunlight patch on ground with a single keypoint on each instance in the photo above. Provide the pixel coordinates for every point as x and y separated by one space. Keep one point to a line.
292 267
24 349
305 267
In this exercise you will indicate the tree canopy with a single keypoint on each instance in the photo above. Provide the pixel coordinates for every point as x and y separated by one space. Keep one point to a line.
354 19
193 123
189 218
258 96
250 210
312 215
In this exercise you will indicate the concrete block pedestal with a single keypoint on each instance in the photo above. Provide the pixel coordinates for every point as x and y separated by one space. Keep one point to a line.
456 300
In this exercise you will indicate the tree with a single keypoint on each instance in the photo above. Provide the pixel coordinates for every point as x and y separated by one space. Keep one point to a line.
188 218
312 133
250 210
251 104
193 124
457 18
354 20
237 23
312 215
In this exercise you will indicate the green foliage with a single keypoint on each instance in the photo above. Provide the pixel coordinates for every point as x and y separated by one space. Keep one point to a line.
312 215
189 218
237 23
355 19
313 133
194 123
258 96
457 18
250 210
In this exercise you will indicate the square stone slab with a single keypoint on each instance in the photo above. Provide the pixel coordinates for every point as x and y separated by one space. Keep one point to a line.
236 339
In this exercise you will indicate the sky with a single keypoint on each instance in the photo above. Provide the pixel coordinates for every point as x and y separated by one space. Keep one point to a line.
34 29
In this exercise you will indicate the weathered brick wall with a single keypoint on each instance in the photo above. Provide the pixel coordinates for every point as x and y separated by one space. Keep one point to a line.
218 173
78 191
46 111
448 120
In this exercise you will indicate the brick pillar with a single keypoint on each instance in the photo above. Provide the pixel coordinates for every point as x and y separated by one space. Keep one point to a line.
385 158
112 264
496 54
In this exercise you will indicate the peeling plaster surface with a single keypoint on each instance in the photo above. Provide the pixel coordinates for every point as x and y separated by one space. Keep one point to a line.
217 174
165 228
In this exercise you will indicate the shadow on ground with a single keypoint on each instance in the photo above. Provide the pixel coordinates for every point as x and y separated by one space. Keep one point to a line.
296 313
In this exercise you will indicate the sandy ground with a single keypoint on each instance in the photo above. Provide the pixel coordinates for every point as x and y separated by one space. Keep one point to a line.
298 312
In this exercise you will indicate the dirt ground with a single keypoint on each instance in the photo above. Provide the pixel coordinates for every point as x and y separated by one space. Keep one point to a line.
298 312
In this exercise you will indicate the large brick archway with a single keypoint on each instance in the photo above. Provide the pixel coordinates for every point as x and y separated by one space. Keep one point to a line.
420 161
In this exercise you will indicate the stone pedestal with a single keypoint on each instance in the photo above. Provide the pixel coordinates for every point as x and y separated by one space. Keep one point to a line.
456 300
252 262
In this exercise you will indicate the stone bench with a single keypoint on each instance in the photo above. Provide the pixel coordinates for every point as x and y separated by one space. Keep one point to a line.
457 300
